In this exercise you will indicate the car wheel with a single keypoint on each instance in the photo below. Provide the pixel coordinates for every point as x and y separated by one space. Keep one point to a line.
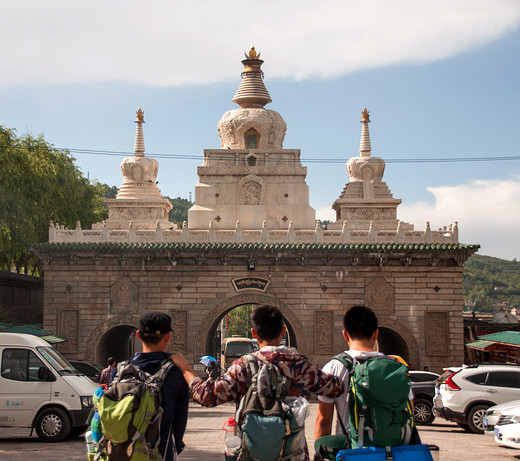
474 418
423 412
52 425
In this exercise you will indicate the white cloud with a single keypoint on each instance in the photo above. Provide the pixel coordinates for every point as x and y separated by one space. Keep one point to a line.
173 43
487 212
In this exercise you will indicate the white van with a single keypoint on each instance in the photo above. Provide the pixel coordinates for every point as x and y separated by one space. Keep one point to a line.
41 390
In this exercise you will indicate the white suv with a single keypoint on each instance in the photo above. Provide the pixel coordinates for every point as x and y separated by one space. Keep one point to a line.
464 394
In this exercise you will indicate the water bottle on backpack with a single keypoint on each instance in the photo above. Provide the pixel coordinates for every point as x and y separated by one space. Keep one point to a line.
231 441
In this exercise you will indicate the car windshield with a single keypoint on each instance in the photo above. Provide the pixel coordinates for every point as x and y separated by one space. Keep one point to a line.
57 362
238 348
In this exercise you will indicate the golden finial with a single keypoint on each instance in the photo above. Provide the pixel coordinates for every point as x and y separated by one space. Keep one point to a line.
140 116
252 54
364 115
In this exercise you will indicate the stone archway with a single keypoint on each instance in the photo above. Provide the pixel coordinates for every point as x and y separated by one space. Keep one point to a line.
213 316
404 340
99 331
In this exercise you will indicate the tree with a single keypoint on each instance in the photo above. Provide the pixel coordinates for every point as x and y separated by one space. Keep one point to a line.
179 213
240 321
39 183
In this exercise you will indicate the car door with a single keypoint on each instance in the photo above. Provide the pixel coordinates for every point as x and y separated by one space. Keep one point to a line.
21 391
503 386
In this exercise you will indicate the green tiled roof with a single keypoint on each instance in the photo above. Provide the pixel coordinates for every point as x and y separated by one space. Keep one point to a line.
361 247
48 336
479 344
505 337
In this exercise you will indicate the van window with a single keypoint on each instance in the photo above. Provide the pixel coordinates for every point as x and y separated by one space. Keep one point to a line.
20 365
238 348
57 362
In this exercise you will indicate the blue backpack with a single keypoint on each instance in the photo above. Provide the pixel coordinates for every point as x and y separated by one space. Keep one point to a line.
269 423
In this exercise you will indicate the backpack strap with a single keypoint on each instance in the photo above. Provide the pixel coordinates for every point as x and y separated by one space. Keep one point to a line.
160 376
252 367
119 368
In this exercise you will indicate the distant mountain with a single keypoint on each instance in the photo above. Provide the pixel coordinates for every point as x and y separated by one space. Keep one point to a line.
491 284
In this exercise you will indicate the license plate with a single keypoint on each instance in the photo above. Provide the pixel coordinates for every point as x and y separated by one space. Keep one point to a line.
497 432
484 421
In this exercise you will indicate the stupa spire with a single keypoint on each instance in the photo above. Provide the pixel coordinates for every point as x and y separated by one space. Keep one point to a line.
139 136
252 92
364 146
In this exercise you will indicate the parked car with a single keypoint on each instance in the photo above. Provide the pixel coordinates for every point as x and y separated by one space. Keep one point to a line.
508 435
464 394
494 414
423 388
89 369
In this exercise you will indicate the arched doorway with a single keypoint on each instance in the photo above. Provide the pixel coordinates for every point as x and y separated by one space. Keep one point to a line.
119 342
205 342
392 343
220 329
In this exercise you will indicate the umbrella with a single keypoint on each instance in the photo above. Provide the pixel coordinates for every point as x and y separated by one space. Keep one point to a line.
207 359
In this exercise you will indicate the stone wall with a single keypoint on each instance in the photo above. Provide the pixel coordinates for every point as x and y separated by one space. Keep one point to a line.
418 297
21 299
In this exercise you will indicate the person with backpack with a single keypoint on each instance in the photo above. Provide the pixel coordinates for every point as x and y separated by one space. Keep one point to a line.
153 368
267 382
375 409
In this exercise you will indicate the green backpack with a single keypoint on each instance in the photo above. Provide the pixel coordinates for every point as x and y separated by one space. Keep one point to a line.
130 412
380 412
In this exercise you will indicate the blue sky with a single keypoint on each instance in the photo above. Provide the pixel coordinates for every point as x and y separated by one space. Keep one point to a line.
440 80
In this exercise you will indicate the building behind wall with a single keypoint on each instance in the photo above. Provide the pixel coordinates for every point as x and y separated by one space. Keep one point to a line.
251 237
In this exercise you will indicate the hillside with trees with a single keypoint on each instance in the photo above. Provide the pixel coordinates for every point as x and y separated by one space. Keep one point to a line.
491 284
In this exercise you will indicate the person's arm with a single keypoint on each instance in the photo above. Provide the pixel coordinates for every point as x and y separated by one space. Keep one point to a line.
181 415
184 366
323 425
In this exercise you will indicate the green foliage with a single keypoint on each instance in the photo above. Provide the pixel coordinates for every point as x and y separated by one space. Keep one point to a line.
491 283
109 191
38 184
240 321
179 212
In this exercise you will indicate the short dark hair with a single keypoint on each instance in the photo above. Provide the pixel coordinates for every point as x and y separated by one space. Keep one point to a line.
111 360
267 320
149 338
360 322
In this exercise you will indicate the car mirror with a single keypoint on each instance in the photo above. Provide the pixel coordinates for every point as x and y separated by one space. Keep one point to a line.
44 374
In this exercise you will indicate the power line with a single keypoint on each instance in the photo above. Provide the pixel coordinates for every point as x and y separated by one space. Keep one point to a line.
231 157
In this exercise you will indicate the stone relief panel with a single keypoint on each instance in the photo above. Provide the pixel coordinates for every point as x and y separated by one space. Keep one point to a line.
323 332
124 297
380 296
437 333
68 327
251 190
179 341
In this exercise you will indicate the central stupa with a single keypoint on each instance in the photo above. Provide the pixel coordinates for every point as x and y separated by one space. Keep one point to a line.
252 182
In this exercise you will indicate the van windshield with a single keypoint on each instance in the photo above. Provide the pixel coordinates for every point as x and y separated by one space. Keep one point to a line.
238 348
57 362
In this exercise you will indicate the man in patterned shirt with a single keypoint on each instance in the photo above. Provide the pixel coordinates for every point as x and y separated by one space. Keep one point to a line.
268 329
106 374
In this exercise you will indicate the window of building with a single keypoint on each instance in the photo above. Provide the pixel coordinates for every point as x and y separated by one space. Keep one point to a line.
251 161
252 139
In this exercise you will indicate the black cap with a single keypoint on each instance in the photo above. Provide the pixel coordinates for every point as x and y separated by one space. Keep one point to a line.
155 323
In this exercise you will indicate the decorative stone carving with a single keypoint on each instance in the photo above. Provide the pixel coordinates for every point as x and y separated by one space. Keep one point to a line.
323 332
179 341
124 297
437 333
251 192
68 323
379 295
268 123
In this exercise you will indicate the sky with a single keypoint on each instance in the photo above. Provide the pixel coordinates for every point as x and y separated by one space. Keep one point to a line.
440 79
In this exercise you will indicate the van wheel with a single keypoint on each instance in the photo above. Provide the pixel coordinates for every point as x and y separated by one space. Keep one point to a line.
52 425
475 416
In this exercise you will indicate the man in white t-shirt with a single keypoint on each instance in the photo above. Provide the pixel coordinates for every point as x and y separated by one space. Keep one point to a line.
360 331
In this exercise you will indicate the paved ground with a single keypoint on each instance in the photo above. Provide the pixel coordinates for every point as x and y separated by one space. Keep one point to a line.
205 441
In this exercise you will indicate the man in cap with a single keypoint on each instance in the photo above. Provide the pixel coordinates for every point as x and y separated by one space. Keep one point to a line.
155 333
